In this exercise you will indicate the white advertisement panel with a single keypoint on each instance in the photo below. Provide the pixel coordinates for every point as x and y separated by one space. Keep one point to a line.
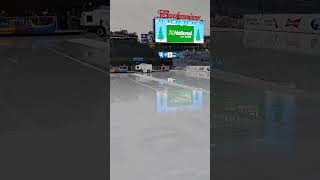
253 22
272 22
198 68
296 23
200 75
236 22
221 21
314 23
301 23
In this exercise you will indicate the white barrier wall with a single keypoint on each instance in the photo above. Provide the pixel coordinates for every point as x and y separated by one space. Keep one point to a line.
252 21
314 23
200 75
198 68
296 23
222 21
300 23
272 22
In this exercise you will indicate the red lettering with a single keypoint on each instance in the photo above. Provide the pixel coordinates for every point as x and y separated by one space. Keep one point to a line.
166 14
293 22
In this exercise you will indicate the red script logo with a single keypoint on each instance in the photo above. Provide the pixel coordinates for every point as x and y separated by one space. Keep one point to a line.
293 22
166 14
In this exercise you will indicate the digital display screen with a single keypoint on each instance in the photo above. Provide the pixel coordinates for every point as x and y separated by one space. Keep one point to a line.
178 31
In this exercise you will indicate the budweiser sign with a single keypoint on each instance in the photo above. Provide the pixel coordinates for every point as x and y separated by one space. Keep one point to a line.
166 14
293 22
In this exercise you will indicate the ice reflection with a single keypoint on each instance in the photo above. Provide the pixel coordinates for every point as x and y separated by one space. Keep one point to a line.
7 42
279 119
257 117
177 100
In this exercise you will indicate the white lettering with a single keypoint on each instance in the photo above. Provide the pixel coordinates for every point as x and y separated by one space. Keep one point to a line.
179 33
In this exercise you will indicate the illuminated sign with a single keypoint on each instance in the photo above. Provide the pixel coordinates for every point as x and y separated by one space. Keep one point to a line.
169 55
144 38
167 15
179 31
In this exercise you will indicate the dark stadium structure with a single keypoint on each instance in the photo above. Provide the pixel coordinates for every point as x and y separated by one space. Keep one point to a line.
124 50
234 7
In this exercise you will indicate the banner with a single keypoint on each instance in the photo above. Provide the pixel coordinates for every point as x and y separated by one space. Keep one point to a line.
253 22
182 34
296 23
314 23
200 75
236 22
198 68
144 38
221 21
272 22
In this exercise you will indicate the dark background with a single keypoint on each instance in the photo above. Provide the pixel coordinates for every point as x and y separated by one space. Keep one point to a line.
267 6
17 7
240 149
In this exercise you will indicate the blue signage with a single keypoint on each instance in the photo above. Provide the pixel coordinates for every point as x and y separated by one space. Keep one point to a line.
165 55
138 59
169 55
144 38
161 54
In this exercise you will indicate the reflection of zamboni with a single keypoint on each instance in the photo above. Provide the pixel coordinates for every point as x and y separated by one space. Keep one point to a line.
145 68
148 68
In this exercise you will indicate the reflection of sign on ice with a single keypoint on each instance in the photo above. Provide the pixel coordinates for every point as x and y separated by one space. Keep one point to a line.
279 119
170 79
179 100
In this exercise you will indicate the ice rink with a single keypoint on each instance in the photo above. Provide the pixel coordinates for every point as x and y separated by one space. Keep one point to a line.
160 123
265 102
54 99
53 110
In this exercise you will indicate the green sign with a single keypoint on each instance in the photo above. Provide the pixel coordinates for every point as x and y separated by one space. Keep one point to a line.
180 34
